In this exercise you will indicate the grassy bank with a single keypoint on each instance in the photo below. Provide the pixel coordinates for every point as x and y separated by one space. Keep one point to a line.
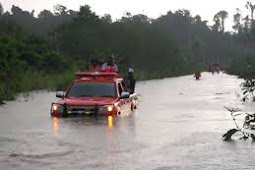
30 81
34 81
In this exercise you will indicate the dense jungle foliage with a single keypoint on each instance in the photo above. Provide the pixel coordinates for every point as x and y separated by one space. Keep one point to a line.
43 52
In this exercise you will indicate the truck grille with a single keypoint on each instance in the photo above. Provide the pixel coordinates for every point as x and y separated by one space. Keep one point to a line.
86 110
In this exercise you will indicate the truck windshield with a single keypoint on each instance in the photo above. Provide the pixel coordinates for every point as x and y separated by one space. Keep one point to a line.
91 89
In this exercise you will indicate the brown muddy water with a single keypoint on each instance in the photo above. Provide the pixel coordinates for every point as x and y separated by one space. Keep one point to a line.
178 125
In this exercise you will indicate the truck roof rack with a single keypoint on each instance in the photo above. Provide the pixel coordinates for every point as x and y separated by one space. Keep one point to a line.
106 75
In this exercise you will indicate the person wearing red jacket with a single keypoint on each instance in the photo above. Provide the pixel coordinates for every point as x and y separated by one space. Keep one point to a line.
95 66
197 75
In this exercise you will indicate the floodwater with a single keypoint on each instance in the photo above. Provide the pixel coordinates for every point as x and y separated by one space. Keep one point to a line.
178 125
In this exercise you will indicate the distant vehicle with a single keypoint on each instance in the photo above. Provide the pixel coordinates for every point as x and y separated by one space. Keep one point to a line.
95 94
214 68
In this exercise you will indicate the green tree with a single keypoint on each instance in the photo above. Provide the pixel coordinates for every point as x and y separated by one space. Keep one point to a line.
216 26
107 18
237 21
1 9
85 13
45 14
197 50
251 7
219 20
60 10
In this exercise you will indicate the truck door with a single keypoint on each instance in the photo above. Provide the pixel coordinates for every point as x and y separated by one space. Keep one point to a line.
125 104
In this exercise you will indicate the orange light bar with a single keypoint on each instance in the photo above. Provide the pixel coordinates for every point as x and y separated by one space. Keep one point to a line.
96 74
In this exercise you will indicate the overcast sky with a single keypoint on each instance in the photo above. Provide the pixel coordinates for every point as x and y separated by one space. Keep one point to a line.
152 8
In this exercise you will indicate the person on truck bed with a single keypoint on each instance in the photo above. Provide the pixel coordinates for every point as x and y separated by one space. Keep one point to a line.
109 66
95 65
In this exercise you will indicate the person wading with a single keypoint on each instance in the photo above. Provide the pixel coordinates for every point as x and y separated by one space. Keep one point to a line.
130 81
197 75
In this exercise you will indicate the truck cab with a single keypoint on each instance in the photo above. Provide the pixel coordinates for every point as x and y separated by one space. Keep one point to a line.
94 94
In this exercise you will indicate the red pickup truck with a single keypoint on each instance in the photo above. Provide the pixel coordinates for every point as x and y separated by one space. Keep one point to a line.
94 94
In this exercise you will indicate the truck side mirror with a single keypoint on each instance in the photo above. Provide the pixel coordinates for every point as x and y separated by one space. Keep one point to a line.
60 94
124 95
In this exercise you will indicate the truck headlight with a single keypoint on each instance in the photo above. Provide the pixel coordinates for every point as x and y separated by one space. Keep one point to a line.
110 108
106 109
57 108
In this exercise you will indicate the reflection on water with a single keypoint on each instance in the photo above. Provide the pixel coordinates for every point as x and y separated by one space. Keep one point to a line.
110 121
55 126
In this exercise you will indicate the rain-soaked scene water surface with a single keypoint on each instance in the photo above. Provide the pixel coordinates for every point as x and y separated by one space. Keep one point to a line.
127 84
178 125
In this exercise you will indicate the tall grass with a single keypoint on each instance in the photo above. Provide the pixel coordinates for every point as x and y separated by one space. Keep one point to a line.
29 81
34 80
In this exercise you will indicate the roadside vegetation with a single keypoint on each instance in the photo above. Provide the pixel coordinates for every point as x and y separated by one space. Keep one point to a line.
43 52
246 130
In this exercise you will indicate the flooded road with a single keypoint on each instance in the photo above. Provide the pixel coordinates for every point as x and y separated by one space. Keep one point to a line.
178 125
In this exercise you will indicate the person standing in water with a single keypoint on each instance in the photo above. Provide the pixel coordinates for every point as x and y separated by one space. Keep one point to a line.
130 81
197 75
